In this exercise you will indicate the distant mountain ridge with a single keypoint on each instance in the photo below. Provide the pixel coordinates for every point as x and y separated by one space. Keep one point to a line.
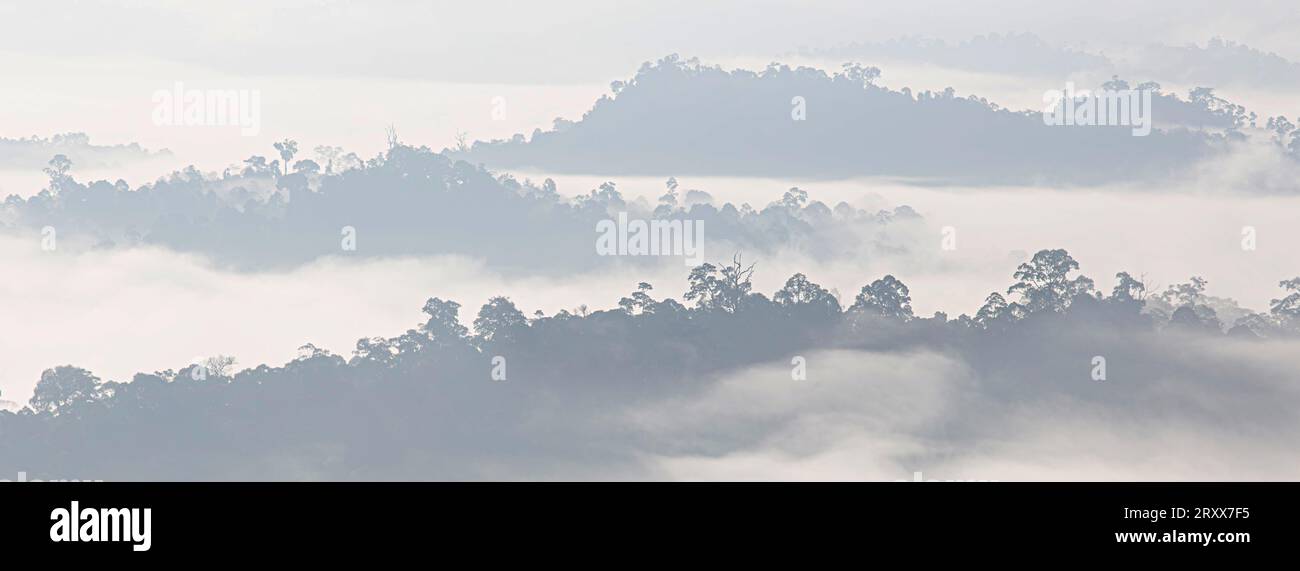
34 152
679 117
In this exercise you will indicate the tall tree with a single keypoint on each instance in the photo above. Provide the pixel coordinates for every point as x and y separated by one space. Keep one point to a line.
63 388
444 320
499 320
58 172
287 149
640 300
1188 293
1045 283
1288 306
328 155
722 289
885 297
800 292
995 309
1128 288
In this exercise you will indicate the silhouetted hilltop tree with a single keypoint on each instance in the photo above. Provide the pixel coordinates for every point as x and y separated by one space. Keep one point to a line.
287 149
444 322
886 297
723 289
1045 284
499 321
803 296
64 388
996 311
1128 289
1286 309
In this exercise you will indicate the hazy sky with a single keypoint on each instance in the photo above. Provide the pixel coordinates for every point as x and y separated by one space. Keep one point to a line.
585 40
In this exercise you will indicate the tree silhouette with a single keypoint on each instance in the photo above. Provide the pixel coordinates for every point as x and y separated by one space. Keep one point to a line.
639 301
994 310
306 166
799 291
1288 306
1045 284
444 321
328 155
722 289
256 165
499 320
886 297
63 388
1128 288
1189 293
58 172
287 149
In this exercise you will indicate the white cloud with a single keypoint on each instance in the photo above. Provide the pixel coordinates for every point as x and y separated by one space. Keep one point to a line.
882 417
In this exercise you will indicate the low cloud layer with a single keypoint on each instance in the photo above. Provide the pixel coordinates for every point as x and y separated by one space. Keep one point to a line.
98 305
885 416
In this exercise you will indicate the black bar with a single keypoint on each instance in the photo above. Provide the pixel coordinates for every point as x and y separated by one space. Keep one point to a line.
657 519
